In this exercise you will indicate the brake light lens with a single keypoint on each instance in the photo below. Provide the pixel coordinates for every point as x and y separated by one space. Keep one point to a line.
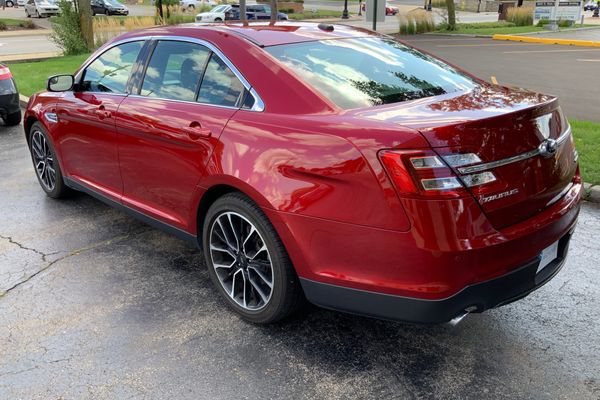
421 173
5 73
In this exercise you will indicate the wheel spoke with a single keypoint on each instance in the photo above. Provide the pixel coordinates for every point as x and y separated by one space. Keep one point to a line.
225 238
258 290
263 248
244 290
262 276
224 266
232 293
237 242
222 250
252 230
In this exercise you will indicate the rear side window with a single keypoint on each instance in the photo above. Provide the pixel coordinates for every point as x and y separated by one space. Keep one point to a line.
220 86
364 72
175 70
110 72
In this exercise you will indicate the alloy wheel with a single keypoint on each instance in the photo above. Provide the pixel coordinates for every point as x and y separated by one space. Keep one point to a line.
43 159
241 260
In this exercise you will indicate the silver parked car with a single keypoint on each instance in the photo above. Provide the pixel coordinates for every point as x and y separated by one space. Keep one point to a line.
40 8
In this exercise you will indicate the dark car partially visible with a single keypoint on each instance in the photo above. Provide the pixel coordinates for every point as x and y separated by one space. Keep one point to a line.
9 98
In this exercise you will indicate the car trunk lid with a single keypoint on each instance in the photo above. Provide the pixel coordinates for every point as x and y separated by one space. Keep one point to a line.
505 128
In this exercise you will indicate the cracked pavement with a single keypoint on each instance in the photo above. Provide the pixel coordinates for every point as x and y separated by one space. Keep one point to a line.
94 304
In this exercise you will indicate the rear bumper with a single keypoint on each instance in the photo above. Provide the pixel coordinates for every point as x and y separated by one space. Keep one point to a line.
473 298
9 104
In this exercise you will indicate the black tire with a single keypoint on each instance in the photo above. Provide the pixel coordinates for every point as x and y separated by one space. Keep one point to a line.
13 119
9 4
218 20
60 190
287 295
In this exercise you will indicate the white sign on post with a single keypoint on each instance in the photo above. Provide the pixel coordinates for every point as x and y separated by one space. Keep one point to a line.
564 11
370 8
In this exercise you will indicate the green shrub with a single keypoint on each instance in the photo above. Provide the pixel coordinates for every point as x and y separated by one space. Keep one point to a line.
439 3
3 26
520 16
416 21
67 31
487 25
27 24
561 23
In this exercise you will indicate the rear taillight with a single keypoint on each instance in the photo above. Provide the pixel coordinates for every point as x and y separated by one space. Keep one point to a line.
424 173
421 173
5 73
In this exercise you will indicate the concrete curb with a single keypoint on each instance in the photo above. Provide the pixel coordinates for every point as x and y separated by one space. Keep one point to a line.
591 192
527 39
30 57
474 35
26 32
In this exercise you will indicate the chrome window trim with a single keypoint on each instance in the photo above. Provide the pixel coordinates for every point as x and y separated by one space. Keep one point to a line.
139 96
258 106
520 157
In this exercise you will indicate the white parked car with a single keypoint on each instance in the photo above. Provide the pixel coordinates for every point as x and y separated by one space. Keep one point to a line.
40 8
192 5
217 14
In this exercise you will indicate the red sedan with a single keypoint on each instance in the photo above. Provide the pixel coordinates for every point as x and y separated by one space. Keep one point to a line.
319 162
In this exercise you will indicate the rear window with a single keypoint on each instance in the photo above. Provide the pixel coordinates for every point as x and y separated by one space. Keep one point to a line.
355 73
7 87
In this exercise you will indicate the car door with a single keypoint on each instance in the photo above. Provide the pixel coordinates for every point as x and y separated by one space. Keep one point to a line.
168 132
96 7
86 116
30 7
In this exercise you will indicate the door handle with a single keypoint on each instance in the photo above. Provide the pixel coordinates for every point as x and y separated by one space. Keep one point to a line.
102 113
196 131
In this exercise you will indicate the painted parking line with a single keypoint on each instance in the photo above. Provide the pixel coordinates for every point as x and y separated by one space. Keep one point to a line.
550 51
484 45
589 59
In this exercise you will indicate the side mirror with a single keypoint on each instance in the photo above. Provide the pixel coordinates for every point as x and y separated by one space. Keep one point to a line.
60 83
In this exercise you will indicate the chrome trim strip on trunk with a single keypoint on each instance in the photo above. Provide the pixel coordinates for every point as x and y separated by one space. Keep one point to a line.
519 157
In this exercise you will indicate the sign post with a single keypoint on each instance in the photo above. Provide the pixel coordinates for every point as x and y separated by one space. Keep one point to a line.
375 12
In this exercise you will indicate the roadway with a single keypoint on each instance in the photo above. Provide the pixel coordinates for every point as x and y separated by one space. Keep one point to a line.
571 73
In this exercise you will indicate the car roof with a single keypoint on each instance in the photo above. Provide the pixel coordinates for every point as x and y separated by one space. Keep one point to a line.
263 33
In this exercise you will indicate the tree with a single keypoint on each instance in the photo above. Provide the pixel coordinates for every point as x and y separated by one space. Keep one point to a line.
451 15
85 22
159 7
273 11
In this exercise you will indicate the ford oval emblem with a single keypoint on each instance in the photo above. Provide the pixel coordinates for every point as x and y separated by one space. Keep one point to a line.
548 148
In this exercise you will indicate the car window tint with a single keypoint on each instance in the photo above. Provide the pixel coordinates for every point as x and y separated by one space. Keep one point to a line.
220 86
366 72
110 72
175 70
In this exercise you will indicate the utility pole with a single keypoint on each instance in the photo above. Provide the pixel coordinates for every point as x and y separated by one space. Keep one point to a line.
345 12
85 22
243 16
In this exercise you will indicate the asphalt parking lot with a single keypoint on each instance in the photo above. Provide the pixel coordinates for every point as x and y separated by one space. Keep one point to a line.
569 72
94 304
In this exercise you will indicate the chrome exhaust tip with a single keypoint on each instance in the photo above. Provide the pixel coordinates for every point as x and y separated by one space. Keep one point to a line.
456 320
